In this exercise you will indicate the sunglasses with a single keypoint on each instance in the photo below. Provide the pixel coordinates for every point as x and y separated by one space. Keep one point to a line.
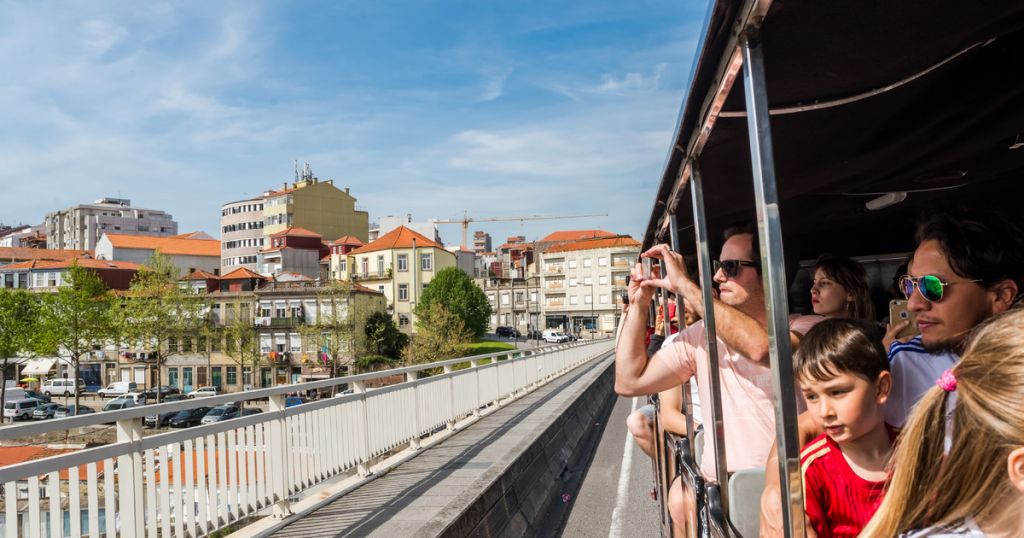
930 286
731 268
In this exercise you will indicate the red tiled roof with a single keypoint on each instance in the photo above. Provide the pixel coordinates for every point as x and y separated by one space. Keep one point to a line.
201 275
364 289
595 243
167 245
193 235
575 235
348 240
87 263
11 455
400 237
295 231
242 272
25 253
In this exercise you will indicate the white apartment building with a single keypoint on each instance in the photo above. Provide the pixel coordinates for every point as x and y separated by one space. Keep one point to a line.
80 227
582 282
241 234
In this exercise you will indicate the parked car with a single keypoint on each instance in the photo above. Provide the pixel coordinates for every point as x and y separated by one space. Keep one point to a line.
188 417
251 411
507 331
292 401
45 411
220 413
118 404
23 408
138 398
159 420
203 392
62 387
554 337
69 411
37 395
117 388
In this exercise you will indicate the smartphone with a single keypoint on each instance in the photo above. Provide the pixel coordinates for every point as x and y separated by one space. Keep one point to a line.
647 268
897 313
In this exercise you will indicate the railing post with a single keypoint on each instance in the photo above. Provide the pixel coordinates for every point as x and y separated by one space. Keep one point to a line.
363 467
450 423
475 365
280 463
410 377
129 476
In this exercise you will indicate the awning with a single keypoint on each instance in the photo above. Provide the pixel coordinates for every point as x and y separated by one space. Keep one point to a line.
38 367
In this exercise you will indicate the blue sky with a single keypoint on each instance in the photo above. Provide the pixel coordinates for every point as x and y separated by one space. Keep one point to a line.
429 108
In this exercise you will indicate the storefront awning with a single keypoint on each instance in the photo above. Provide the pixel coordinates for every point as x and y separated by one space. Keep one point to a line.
38 367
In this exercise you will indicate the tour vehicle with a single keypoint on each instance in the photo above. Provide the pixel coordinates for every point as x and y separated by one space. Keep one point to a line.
835 125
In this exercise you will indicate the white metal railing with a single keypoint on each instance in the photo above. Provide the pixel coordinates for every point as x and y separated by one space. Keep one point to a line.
197 480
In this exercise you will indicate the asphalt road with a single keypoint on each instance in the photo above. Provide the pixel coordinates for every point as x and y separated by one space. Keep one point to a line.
600 508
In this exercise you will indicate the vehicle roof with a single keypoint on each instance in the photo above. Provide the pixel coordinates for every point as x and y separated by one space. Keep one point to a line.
950 128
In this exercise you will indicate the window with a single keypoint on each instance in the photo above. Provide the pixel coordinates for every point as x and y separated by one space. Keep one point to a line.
403 320
504 298
186 377
380 288
172 377
533 297
586 262
519 297
426 262
574 300
403 292
587 299
380 265
172 345
587 280
603 299
572 264
602 262
365 263
572 281
201 376
490 298
341 265
603 279
186 345
403 262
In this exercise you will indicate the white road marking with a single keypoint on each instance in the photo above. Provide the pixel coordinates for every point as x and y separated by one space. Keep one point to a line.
615 530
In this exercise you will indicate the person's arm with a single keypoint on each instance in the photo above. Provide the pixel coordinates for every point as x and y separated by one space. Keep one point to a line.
672 417
771 497
635 375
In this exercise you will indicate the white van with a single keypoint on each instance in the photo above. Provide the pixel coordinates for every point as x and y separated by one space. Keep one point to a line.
14 393
554 337
23 408
117 388
62 387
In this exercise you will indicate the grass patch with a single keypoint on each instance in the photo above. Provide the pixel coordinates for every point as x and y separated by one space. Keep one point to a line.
486 346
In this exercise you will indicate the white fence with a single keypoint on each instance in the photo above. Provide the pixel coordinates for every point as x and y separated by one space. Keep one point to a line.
195 481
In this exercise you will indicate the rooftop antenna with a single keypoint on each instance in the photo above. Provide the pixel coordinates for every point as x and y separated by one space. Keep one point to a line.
296 170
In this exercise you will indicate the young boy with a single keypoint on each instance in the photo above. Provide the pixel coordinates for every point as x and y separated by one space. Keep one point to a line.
844 375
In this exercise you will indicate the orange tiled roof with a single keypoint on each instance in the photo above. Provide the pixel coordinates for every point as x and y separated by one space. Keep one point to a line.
575 235
295 231
364 289
25 253
242 272
348 240
87 263
201 275
10 455
193 235
595 243
400 237
167 245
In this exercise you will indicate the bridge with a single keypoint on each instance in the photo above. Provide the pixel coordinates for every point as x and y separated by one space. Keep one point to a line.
497 444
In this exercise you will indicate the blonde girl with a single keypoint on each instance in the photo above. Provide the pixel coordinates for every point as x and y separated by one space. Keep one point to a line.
958 469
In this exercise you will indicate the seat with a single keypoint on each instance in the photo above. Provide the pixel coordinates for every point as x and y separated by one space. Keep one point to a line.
745 489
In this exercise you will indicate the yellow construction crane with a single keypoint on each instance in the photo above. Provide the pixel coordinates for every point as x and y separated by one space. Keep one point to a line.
466 219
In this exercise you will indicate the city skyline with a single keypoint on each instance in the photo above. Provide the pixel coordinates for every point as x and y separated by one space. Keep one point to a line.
429 109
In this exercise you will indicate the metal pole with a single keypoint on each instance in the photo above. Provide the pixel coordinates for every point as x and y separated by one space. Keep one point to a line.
717 425
687 405
774 275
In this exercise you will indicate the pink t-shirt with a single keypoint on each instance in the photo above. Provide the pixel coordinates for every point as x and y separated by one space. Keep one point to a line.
747 406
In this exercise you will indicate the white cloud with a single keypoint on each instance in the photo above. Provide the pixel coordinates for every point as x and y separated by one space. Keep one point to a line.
494 86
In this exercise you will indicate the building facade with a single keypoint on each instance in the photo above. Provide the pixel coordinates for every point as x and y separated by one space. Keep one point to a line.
582 282
80 227
481 242
516 303
187 253
241 234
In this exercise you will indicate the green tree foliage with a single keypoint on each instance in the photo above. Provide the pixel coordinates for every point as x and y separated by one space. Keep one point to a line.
241 344
158 310
76 319
19 328
440 335
460 296
383 337
333 330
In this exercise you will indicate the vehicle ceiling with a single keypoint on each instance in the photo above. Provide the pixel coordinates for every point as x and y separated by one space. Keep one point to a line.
952 127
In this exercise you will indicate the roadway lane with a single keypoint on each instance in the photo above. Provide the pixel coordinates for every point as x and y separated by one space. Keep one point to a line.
612 502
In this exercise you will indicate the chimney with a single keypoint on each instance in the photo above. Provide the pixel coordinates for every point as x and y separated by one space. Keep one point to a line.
346 190
408 218
285 187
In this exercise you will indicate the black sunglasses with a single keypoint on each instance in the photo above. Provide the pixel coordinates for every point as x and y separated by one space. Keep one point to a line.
731 268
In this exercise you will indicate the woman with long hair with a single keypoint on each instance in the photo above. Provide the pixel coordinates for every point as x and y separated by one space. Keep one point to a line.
958 469
840 289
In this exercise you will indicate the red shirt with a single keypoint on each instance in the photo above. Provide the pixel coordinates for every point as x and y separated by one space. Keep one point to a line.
837 501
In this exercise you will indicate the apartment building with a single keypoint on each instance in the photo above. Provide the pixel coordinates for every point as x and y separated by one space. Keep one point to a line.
80 227
292 250
481 242
515 303
24 236
187 252
44 276
399 264
582 282
309 203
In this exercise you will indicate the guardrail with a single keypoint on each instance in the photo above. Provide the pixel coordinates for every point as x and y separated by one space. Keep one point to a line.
195 481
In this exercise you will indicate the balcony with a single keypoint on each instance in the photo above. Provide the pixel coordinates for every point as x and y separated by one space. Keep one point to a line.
556 303
555 285
279 323
372 275
554 269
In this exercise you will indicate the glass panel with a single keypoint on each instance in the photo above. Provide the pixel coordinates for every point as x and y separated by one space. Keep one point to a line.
215 375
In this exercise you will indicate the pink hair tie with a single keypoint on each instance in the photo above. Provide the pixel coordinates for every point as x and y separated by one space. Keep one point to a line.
947 381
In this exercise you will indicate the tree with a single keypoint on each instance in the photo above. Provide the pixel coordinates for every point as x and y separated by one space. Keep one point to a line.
19 325
158 311
76 320
440 335
383 337
458 294
241 344
337 326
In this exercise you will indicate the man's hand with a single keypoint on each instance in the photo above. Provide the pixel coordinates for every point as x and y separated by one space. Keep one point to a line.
639 295
675 277
892 331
